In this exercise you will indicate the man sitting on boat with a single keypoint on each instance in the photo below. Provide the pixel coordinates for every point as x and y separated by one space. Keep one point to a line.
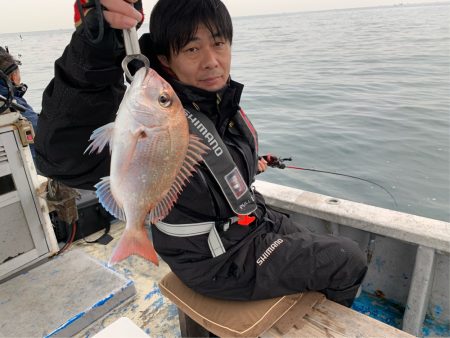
261 252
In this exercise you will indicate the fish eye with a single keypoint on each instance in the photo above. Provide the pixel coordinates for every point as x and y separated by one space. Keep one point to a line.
164 100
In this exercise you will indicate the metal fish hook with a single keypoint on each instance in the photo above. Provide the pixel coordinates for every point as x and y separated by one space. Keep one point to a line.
133 51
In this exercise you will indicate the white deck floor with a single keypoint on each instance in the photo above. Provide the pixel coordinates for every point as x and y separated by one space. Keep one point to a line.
149 310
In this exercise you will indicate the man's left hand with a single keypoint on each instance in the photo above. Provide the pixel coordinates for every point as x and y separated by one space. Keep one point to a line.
262 165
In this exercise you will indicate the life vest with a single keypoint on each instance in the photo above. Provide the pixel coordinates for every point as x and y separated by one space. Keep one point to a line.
220 163
227 175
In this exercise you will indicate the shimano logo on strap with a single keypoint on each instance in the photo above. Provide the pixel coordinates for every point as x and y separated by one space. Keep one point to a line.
269 251
206 134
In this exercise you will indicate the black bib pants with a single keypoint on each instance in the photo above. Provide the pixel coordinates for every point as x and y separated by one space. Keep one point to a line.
277 258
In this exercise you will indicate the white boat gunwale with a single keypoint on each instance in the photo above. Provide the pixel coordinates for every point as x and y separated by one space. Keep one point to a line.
410 228
432 237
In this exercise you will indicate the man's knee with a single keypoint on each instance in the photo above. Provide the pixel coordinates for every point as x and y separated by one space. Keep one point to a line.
352 267
356 256
350 263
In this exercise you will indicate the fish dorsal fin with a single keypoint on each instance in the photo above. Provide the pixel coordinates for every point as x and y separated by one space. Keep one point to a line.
194 155
100 137
106 198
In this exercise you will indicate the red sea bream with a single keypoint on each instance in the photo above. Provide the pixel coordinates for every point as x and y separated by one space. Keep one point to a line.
152 156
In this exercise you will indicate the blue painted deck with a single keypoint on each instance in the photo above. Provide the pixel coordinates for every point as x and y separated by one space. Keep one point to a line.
391 313
61 297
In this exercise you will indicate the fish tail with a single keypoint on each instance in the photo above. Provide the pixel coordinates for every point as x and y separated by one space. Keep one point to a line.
134 242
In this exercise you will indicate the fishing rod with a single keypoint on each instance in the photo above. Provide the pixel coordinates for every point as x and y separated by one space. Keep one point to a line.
276 162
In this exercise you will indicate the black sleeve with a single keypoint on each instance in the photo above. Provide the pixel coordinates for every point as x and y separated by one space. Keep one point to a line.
84 94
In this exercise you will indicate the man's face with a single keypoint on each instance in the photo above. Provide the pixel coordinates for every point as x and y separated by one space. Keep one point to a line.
15 77
204 62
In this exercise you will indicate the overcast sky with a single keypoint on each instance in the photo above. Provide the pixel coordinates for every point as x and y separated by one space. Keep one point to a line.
36 15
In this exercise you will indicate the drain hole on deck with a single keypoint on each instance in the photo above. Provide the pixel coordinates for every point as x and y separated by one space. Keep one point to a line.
333 201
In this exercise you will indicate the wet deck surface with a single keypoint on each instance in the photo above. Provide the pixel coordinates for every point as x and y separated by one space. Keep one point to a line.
149 310
60 297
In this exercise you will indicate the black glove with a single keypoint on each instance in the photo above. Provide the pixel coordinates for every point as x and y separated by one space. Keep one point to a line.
88 17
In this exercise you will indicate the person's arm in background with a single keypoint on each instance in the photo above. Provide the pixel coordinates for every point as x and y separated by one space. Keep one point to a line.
29 113
84 94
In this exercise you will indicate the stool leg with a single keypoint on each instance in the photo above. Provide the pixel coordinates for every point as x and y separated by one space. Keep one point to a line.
190 328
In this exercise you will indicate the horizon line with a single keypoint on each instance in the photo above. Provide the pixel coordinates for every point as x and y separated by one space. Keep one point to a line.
400 4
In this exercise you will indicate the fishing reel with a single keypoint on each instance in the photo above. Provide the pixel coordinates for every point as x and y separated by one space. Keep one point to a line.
276 162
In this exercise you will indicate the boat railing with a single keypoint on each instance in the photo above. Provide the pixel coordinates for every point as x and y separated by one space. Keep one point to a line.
431 236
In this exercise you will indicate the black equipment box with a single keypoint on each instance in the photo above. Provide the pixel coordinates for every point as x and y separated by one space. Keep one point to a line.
92 217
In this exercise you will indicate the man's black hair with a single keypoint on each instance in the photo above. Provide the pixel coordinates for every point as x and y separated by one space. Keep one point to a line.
173 23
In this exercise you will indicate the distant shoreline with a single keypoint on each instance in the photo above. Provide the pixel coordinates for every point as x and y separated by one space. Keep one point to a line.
399 5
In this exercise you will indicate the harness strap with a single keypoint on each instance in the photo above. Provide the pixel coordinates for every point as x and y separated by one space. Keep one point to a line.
185 230
194 229
220 164
215 243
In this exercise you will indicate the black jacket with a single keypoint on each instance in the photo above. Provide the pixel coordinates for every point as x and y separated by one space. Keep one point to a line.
85 94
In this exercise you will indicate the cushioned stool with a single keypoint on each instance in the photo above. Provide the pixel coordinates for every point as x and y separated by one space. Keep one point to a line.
199 315
307 314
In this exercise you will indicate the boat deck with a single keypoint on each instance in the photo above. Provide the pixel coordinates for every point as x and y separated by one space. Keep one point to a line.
329 319
149 310
158 316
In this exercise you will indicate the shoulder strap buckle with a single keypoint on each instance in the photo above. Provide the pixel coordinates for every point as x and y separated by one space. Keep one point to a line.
245 220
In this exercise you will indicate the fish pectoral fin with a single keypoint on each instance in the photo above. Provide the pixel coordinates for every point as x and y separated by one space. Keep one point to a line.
107 199
134 241
100 137
194 155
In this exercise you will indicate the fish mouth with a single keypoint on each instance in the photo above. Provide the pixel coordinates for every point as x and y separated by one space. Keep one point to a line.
150 73
149 76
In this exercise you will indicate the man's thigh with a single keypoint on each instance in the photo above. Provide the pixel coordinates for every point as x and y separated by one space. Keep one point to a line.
295 259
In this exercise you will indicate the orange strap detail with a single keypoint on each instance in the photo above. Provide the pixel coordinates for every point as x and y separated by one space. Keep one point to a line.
245 220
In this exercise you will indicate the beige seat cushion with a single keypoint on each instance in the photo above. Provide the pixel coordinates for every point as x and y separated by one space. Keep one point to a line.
223 317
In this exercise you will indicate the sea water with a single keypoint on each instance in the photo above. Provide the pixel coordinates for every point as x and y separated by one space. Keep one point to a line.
363 92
